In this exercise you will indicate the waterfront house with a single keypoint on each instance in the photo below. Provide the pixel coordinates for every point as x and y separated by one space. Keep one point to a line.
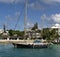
57 28
33 34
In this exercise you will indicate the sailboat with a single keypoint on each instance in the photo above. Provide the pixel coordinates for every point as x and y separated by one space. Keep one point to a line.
37 43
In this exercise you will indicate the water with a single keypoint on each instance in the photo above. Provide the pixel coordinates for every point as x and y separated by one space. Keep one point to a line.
9 51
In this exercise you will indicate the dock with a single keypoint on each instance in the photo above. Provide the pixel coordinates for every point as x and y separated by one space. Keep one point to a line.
10 41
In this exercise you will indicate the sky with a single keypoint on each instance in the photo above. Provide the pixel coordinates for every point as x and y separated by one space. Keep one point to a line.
45 12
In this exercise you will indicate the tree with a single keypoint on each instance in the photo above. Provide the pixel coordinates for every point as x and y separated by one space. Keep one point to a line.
45 33
4 27
54 34
50 34
16 32
35 26
19 33
11 32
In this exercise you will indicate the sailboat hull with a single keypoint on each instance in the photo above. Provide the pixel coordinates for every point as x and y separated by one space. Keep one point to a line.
30 46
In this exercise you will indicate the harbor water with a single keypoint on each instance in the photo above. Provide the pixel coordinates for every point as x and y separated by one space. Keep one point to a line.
7 50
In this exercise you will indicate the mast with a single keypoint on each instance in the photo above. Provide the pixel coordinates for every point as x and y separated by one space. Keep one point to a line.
42 17
25 18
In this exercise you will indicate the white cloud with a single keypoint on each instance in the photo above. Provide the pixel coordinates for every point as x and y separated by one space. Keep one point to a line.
14 17
17 15
56 0
11 1
45 17
44 4
55 17
36 5
51 1
17 1
31 5
29 24
8 17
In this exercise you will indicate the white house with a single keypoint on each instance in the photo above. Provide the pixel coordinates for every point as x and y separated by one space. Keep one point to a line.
57 26
1 31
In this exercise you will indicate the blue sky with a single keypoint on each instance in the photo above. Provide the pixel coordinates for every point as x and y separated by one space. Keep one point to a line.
12 11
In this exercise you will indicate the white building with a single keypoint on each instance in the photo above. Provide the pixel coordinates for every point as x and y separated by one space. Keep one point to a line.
56 26
1 31
33 34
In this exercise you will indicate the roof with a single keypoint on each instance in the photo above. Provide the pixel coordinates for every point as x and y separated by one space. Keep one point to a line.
56 26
